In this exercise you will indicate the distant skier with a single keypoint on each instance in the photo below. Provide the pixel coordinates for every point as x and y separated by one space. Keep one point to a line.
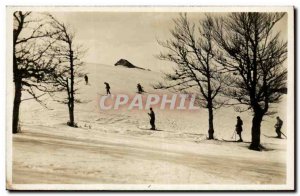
107 87
86 78
140 88
278 126
239 128
152 119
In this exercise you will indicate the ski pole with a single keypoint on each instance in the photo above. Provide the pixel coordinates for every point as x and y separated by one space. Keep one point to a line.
235 136
232 134
283 134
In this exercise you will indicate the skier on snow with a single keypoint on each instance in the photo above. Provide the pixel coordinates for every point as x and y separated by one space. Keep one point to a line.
152 119
107 87
278 126
86 78
239 128
140 88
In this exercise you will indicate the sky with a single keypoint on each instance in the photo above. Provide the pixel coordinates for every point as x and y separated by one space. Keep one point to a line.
110 36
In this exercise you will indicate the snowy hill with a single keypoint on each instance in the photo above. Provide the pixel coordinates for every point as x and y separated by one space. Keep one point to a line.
115 146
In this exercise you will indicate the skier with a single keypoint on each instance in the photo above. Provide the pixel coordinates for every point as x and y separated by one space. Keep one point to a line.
86 78
140 88
278 126
152 119
107 87
239 128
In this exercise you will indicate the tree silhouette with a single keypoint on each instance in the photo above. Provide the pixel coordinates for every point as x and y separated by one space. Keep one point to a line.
252 55
69 70
32 66
191 49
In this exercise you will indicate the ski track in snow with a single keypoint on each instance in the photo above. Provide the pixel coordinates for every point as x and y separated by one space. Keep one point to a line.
76 160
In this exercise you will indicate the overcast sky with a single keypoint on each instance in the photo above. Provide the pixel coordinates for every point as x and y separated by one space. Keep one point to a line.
110 36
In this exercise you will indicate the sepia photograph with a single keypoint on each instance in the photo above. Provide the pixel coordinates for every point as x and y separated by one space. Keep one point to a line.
150 98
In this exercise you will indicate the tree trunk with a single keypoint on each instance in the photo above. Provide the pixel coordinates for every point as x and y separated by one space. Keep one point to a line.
255 131
71 97
70 106
17 81
210 123
71 114
16 106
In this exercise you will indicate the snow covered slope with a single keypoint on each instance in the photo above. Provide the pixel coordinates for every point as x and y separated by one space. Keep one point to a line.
115 146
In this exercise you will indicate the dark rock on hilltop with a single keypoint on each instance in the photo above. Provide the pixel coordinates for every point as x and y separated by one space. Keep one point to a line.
125 63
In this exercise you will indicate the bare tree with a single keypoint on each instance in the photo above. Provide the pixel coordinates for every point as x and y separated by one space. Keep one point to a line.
32 66
253 56
69 71
191 48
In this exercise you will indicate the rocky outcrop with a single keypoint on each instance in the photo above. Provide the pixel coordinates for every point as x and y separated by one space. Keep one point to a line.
125 63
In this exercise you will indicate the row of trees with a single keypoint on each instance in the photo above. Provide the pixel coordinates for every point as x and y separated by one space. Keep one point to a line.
45 61
236 59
